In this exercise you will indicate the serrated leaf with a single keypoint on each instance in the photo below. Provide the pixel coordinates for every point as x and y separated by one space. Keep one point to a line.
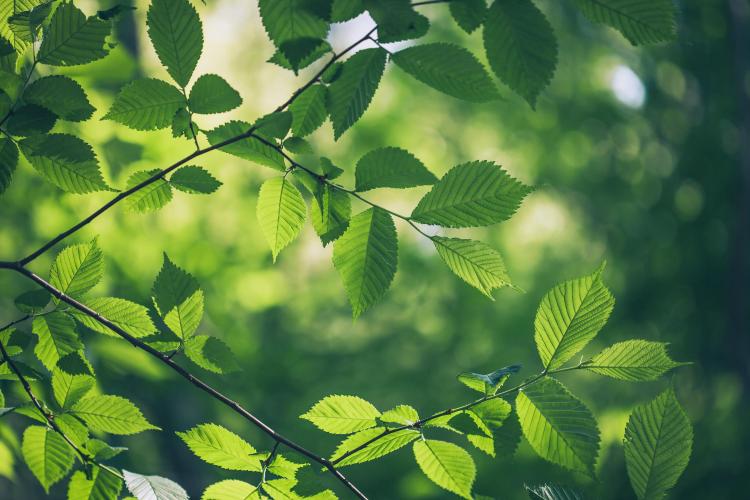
71 38
309 110
68 389
492 413
298 146
112 414
47 454
8 162
153 487
195 180
633 360
330 212
281 212
350 95
129 316
366 256
210 354
468 14
66 161
181 124
569 316
472 194
344 10
391 167
247 149
303 54
57 338
231 489
102 451
275 125
179 299
146 104
401 415
640 21
475 262
558 426
552 492
176 32
61 95
102 485
342 414
447 465
151 197
397 20
212 94
220 447
383 446
33 301
291 19
521 46
77 269
658 443
7 9
450 69
29 120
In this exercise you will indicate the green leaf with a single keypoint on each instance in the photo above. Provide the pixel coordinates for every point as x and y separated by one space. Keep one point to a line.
309 110
181 124
658 443
366 256
492 413
391 167
569 316
247 149
350 95
521 46
153 487
291 19
342 414
450 69
397 20
66 161
210 354
131 317
344 10
7 9
212 94
57 338
558 426
69 389
468 14
330 212
47 454
8 162
146 104
640 21
552 492
101 486
77 269
401 415
33 301
383 446
472 194
474 262
102 451
231 489
178 299
275 125
195 180
302 52
111 414
633 360
151 197
29 120
281 212
177 35
61 95
220 447
488 383
447 465
72 38
298 146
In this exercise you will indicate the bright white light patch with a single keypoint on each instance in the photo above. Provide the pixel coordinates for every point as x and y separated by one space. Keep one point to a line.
627 87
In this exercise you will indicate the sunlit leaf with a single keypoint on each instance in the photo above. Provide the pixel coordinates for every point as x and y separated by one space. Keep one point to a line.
218 446
47 454
447 465
72 38
153 487
379 448
111 414
177 35
179 299
342 414
146 104
281 212
633 360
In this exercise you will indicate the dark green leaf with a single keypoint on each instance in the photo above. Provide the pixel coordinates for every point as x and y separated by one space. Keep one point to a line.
196 180
146 104
33 301
8 162
330 213
640 21
248 149
177 35
469 14
391 167
309 110
29 120
397 20
61 95
275 125
291 19
344 10
212 94
298 146
210 354
72 38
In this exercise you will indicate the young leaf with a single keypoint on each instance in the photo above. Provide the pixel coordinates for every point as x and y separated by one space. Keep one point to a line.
100 486
447 465
309 110
474 262
350 95
473 194
77 269
212 94
66 161
8 162
450 69
68 389
558 426
61 95
488 383
381 447
366 256
286 20
210 354
658 443
569 316
195 180
73 39
151 197
111 414
391 167
177 35
468 14
521 46
178 299
552 492
633 360
247 149
231 489
220 447
57 338
330 212
146 104
401 415
640 21
131 317
47 454
153 487
342 414
281 213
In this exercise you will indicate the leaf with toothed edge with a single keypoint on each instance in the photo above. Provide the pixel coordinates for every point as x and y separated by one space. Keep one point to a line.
281 213
176 32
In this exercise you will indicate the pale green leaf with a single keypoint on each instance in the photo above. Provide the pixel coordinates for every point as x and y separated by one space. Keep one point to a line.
148 198
475 262
379 448
342 414
8 162
210 354
57 338
309 110
61 95
177 35
72 38
47 454
212 94
468 14
69 389
231 489
129 316
146 104
633 360
195 180
9 8
77 269
658 443
401 415
247 149
640 21
179 299
111 414
281 212
447 465
103 485
552 492
153 487
391 167
220 447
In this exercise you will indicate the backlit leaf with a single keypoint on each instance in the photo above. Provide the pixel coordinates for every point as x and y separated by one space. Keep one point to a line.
220 447
72 38
146 104
177 35
77 269
47 454
342 414
281 212
391 167
640 21
61 95
447 465
475 262
633 360
111 414
179 299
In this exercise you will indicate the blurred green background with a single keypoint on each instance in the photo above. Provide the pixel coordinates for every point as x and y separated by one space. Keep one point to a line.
638 157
